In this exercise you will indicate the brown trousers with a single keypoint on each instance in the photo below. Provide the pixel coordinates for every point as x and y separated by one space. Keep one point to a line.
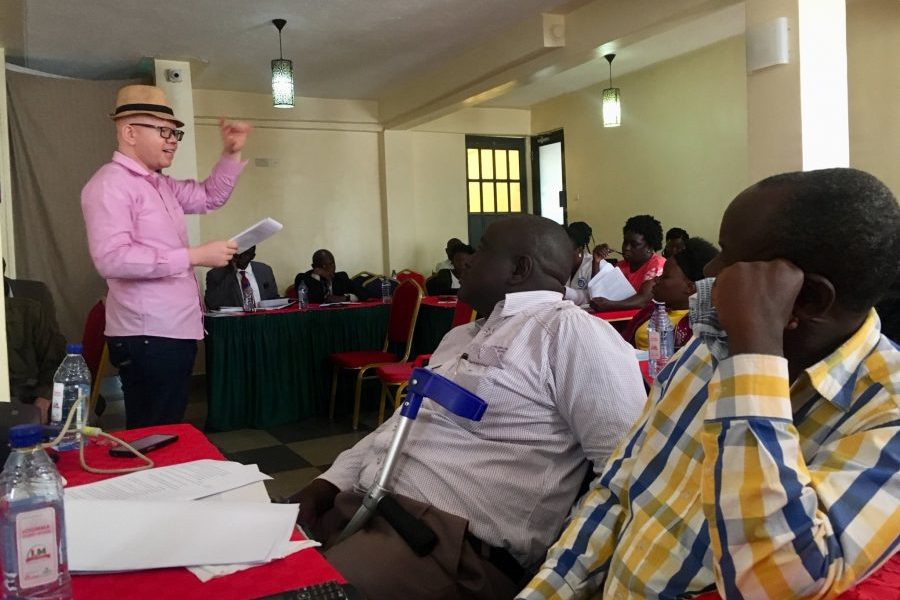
378 562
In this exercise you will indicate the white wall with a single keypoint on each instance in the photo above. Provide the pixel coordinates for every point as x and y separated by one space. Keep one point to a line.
321 179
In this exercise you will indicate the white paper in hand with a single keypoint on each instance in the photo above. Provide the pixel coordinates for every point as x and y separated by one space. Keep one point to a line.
610 283
255 234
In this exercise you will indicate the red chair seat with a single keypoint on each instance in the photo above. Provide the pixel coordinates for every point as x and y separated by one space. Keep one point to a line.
359 359
395 373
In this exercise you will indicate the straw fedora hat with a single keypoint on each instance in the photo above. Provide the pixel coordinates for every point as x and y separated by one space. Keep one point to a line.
144 100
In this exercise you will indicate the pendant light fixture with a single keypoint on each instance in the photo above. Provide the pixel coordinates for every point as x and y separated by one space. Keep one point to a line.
282 74
612 110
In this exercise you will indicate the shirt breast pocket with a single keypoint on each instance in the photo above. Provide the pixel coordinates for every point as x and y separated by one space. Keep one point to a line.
478 371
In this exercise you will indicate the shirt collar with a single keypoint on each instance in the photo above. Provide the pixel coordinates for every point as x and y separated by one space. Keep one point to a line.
131 164
834 377
519 301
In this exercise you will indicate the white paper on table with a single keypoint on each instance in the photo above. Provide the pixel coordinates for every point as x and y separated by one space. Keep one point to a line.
273 303
207 572
254 492
111 535
257 233
610 283
185 481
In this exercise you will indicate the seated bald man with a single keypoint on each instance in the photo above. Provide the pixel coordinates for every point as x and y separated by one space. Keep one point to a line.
767 464
562 389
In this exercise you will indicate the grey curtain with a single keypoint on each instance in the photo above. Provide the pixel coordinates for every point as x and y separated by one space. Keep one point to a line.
60 135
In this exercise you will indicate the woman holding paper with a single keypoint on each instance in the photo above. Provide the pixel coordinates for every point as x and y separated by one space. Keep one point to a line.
641 239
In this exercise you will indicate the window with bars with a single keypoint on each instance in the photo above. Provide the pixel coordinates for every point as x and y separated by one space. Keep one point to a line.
495 173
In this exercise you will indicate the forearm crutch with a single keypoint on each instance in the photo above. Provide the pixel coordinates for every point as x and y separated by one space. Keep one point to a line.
462 403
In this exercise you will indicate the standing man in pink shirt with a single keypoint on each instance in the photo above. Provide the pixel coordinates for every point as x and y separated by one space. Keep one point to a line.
139 243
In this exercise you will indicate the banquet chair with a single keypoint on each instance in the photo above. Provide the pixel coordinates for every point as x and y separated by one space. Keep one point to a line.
95 351
410 274
398 373
401 326
363 276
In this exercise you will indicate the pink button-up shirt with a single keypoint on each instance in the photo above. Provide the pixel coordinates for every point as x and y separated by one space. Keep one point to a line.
139 243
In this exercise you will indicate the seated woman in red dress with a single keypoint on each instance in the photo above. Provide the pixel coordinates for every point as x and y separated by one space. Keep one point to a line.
673 288
641 238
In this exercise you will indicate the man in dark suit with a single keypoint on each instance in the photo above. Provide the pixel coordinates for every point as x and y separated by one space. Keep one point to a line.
223 284
446 281
325 284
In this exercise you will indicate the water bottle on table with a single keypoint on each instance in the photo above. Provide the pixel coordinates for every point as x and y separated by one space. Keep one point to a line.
32 526
385 290
661 336
303 296
71 387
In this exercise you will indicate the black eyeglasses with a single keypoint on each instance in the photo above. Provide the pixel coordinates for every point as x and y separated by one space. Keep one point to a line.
164 132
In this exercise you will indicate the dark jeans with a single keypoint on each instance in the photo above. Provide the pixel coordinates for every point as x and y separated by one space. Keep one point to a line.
156 376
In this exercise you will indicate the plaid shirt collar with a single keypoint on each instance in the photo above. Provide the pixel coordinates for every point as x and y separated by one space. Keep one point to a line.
834 377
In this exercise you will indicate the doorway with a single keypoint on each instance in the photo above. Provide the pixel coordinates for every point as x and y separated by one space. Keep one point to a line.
549 173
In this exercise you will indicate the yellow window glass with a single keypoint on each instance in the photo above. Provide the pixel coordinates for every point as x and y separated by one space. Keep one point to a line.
472 162
487 192
474 197
514 165
502 196
487 164
515 196
500 160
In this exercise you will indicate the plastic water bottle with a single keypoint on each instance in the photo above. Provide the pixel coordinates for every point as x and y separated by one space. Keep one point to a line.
303 296
32 525
71 386
385 290
661 339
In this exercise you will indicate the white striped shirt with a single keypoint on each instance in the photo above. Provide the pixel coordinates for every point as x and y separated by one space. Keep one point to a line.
562 387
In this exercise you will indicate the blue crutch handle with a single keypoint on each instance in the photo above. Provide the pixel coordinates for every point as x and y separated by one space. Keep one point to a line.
458 400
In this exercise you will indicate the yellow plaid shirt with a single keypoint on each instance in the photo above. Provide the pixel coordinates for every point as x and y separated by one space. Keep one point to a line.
734 480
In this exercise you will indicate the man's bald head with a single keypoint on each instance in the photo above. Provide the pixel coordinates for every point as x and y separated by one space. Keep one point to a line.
517 254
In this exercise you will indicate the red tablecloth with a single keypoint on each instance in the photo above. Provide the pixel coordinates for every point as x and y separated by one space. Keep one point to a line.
297 570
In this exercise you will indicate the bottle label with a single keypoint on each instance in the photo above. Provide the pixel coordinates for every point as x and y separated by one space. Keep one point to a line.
653 344
56 403
36 547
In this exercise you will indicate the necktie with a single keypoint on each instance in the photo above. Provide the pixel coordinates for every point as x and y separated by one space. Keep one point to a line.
247 291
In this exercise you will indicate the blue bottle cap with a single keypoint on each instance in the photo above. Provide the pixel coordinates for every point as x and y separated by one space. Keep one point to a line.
23 436
74 349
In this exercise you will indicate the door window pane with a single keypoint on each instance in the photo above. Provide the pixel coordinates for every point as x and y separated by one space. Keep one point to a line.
500 160
502 196
472 163
515 196
474 197
487 164
514 165
487 192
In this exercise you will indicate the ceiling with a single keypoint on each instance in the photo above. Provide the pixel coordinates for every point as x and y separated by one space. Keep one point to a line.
340 48
353 49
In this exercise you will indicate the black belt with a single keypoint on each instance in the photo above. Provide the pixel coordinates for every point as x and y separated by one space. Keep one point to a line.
499 557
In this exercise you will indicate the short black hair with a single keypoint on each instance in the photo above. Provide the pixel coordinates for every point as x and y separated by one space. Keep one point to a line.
319 257
677 233
580 233
648 227
842 224
462 247
697 252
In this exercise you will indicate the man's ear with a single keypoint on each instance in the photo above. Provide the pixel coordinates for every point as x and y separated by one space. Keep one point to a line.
522 268
816 297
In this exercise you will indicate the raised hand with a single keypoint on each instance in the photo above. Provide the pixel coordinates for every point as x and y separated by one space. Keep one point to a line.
755 302
234 136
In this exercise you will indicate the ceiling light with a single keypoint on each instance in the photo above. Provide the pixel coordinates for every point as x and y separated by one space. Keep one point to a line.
612 110
282 75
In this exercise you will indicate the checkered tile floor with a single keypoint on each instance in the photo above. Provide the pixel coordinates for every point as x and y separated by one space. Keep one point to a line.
292 454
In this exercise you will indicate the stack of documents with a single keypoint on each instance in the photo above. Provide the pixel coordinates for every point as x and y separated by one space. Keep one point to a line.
150 519
610 283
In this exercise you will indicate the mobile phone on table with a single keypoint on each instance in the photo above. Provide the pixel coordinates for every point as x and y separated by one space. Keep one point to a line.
144 445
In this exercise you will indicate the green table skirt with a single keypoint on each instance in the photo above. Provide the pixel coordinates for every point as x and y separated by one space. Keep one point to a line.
266 370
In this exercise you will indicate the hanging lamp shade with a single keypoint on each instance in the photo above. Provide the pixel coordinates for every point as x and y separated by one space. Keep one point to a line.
282 74
612 108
